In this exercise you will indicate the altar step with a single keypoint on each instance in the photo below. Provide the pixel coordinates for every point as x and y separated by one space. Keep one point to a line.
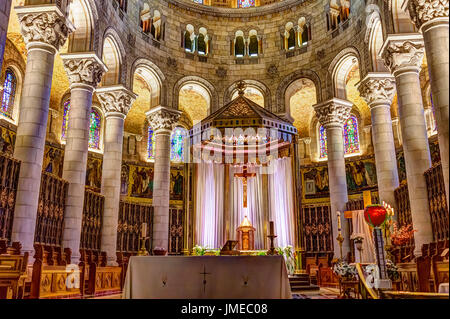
301 282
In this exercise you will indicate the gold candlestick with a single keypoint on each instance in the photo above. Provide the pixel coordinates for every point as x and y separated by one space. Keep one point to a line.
142 250
340 240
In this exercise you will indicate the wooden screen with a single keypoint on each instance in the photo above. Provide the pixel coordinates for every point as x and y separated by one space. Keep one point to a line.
94 204
176 231
437 202
403 206
318 233
9 178
50 216
131 217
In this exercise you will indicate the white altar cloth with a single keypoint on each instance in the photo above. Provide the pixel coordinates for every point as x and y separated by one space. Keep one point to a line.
206 277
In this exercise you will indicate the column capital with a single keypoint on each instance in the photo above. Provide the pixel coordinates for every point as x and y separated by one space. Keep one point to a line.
163 118
306 140
403 52
83 69
425 12
377 88
333 112
116 99
44 26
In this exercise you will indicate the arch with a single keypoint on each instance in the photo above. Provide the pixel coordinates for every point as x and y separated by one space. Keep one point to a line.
112 56
189 38
288 80
400 18
260 86
154 78
303 94
253 43
374 38
9 93
14 104
83 15
339 69
239 44
202 86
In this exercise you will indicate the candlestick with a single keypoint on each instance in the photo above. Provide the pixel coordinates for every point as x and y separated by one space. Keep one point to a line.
338 213
144 230
272 228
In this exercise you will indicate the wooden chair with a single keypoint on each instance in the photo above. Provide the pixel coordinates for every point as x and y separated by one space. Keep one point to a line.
103 279
13 268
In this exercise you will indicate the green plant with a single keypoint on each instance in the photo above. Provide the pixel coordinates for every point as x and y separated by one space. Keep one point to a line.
343 269
199 250
261 253
392 270
288 254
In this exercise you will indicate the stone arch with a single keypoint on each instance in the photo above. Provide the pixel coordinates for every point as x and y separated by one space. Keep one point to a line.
260 86
290 79
339 69
19 74
400 18
112 55
83 15
374 38
154 77
206 85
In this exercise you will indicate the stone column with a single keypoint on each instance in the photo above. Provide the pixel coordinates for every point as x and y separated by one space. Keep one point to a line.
116 102
162 120
332 114
34 107
431 18
5 8
84 71
378 89
403 54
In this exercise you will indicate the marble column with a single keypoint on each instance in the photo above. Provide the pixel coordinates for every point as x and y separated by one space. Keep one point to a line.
378 89
5 8
84 71
116 102
431 18
34 108
162 120
403 55
332 114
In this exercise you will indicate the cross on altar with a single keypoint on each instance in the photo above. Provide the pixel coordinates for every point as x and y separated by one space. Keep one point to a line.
204 273
245 175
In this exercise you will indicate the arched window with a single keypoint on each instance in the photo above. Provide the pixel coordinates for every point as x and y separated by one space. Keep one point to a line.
323 143
253 46
65 123
291 39
151 144
177 144
202 41
198 1
246 3
305 35
9 93
189 37
239 46
351 136
95 130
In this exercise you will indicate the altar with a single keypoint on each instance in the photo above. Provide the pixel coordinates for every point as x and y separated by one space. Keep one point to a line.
207 277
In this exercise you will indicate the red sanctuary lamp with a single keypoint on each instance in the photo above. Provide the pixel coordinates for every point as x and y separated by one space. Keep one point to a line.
376 216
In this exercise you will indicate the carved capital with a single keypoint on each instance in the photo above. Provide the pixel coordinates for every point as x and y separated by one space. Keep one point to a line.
116 99
423 11
84 68
163 118
333 112
46 24
403 52
377 88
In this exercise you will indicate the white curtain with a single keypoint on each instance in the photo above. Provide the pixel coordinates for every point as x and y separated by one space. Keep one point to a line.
254 211
281 202
209 205
368 247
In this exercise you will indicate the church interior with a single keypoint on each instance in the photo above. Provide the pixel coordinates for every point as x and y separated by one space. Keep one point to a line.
275 149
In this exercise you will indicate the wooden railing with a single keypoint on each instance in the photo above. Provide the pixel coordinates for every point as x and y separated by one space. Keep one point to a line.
437 202
131 217
9 178
50 215
94 204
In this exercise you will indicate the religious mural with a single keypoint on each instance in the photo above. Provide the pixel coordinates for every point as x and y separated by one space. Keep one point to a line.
94 173
176 184
361 175
53 160
7 141
140 181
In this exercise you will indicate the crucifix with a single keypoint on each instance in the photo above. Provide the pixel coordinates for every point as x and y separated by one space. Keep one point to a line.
245 175
204 273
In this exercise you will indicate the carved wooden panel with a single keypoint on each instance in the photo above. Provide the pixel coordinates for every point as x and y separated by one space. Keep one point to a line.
50 216
131 217
9 178
94 204
437 202
403 205
316 221
176 218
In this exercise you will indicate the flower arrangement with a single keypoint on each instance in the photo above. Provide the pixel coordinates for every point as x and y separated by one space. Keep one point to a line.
403 235
288 254
357 237
343 269
199 250
392 270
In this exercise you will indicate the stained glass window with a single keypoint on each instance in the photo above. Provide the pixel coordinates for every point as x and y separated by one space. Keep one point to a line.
323 142
198 1
9 93
151 144
246 3
351 136
177 144
65 123
94 130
